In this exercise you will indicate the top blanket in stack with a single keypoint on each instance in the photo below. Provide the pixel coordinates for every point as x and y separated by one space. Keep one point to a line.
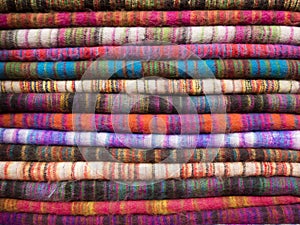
98 5
149 112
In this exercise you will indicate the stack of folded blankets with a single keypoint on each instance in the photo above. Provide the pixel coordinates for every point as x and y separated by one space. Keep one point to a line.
149 112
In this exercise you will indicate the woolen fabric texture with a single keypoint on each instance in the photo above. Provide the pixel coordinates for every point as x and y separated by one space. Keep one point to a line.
85 140
60 171
105 103
148 207
97 5
154 86
156 52
67 191
254 215
147 18
259 139
120 69
153 123
95 36
45 153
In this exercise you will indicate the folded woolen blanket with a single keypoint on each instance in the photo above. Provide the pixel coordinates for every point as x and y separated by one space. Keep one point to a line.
151 123
155 207
67 191
148 18
97 5
45 153
156 52
236 68
266 139
253 215
106 103
95 36
60 171
155 86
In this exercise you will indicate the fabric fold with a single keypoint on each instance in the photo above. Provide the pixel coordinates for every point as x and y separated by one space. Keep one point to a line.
115 36
148 18
154 207
259 139
128 172
67 191
97 5
122 103
45 153
263 214
133 69
155 52
154 86
153 123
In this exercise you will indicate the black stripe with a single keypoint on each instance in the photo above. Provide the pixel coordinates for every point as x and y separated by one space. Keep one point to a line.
104 4
200 4
11 6
99 189
150 157
89 191
59 220
244 155
280 4
77 155
29 217
184 4
199 218
42 5
120 220
295 209
259 156
68 191
215 218
26 4
68 103
120 4
248 4
30 153
88 4
8 190
134 220
169 4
